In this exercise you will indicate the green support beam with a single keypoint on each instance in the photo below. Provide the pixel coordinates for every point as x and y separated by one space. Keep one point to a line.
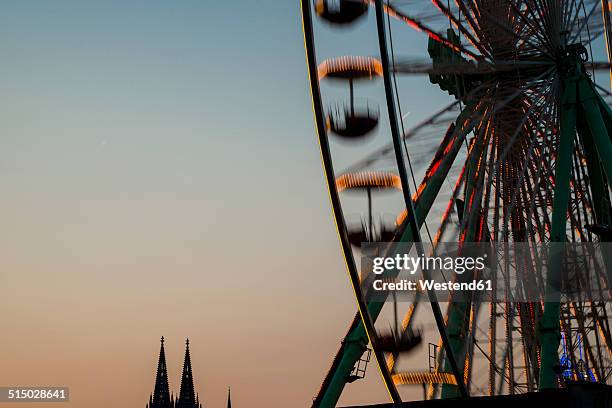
602 207
589 101
549 329
579 104
459 310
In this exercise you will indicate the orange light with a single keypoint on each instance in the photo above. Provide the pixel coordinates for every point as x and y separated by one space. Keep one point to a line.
368 179
401 217
424 378
350 66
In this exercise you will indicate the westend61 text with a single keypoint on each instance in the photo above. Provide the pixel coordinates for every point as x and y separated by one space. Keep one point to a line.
423 285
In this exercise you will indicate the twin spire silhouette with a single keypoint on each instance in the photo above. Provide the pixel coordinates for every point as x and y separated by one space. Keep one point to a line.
187 397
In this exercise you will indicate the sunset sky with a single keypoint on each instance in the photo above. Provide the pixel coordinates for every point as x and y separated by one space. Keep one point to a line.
160 175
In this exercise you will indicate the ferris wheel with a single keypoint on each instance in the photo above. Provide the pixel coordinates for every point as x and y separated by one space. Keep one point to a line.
520 155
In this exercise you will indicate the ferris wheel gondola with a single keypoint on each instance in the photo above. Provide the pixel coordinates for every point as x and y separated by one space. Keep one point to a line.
351 122
341 12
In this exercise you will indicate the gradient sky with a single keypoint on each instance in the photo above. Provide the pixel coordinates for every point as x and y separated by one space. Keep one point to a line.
160 175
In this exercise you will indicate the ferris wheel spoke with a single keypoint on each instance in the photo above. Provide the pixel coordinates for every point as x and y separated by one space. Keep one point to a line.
442 162
418 25
573 16
388 149
520 184
598 65
472 40
524 39
419 67
584 22
538 203
533 10
471 19
514 135
471 119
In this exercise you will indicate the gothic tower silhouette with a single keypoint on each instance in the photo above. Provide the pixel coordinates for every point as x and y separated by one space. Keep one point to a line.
187 397
161 397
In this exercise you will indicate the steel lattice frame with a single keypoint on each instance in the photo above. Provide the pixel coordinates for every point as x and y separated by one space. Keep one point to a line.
524 148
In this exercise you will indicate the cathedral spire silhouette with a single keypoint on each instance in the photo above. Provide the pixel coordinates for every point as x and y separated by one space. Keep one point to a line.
187 397
229 397
161 394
